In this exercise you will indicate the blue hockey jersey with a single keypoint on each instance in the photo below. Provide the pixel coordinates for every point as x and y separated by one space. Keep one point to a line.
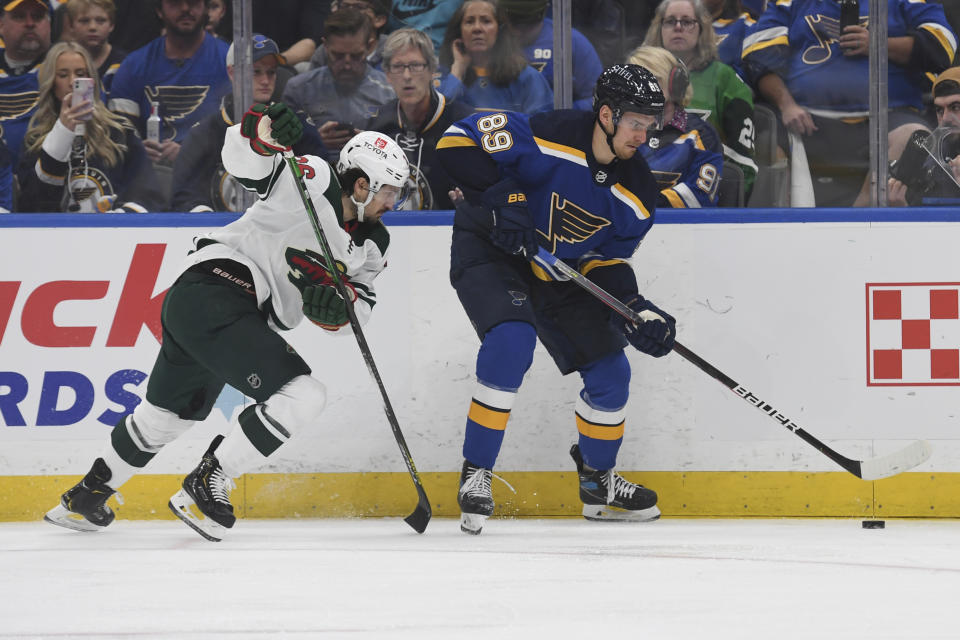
797 40
687 163
582 209
730 35
586 64
18 101
187 90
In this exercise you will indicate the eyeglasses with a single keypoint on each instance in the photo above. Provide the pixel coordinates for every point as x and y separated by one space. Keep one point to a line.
686 24
412 67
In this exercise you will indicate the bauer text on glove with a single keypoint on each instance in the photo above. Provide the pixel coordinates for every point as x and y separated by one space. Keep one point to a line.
513 229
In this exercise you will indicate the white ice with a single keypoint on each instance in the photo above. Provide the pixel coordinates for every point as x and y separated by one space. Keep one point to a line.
556 578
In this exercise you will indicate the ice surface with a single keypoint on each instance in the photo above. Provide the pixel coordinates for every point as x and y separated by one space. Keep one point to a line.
557 578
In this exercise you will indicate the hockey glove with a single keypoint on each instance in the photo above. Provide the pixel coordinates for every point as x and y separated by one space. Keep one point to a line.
656 332
513 230
323 306
271 128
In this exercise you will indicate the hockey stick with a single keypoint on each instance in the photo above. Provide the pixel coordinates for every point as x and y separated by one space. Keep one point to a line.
421 515
873 469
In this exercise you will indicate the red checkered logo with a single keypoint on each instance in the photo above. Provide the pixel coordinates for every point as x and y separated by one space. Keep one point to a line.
380 143
913 333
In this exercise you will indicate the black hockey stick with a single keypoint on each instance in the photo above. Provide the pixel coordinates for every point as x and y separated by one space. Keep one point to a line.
421 515
873 469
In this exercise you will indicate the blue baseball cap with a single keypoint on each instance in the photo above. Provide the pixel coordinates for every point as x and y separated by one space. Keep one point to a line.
262 47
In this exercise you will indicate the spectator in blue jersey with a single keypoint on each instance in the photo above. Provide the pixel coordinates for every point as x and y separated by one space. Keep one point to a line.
25 31
686 156
6 179
572 184
419 115
731 24
720 96
81 158
485 67
429 16
377 11
183 71
200 182
346 95
534 33
91 22
817 77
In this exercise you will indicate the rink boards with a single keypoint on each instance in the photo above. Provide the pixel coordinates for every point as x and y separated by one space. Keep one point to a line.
846 321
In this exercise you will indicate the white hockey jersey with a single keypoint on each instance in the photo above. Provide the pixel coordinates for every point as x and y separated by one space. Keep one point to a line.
276 241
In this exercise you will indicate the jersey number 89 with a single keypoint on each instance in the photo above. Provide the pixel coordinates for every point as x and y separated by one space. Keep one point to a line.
494 139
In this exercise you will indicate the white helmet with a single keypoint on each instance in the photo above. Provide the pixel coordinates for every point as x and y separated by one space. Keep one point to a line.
381 159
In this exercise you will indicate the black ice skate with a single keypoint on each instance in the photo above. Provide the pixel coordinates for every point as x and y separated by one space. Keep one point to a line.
83 507
607 495
204 501
475 497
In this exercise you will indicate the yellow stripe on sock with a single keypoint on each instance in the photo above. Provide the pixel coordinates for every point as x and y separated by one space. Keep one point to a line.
599 431
487 417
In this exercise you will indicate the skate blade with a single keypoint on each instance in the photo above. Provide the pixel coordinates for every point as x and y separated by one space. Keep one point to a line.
183 506
606 513
472 523
63 517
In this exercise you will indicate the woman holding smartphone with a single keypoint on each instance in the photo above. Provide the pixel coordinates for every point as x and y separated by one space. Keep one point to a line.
487 68
77 155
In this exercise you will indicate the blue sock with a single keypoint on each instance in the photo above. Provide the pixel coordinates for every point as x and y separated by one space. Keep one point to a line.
504 357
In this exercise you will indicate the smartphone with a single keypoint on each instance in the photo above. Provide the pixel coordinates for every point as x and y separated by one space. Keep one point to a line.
82 92
344 126
849 14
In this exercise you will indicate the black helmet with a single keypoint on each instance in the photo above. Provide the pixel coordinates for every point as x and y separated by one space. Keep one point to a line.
629 87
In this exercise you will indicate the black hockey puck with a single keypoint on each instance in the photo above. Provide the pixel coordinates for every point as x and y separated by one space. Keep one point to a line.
873 524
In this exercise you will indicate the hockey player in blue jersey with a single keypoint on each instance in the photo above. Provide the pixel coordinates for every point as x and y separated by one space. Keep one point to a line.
572 183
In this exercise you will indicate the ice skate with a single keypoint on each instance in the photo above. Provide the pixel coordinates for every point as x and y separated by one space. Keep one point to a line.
204 501
607 495
83 507
475 497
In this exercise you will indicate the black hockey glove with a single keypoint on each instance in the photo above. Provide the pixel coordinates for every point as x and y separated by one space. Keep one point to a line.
513 229
656 332
271 128
323 306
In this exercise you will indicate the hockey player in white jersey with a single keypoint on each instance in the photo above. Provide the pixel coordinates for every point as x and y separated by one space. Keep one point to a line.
221 319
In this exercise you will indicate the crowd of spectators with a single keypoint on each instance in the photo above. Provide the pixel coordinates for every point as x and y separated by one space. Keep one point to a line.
410 68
